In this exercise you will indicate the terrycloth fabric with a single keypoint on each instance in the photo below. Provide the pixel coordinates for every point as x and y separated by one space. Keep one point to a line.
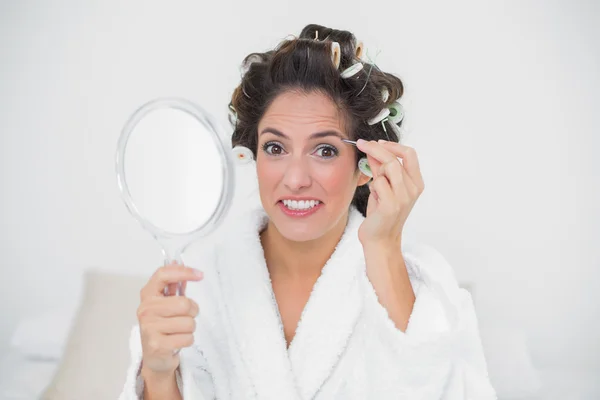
345 346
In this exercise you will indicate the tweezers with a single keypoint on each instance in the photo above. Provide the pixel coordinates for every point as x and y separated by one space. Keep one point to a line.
354 143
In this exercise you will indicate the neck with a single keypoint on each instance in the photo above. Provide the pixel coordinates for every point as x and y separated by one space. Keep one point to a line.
299 261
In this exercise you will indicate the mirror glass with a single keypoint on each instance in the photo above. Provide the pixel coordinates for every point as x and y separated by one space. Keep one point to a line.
174 172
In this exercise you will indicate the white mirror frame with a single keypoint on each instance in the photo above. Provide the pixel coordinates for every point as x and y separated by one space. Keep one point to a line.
174 244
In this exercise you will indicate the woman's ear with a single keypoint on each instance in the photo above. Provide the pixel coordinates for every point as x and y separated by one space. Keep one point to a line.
363 179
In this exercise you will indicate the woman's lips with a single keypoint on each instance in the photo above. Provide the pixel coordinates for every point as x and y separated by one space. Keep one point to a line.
298 213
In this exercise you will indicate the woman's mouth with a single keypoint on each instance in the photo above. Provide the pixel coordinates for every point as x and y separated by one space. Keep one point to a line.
299 208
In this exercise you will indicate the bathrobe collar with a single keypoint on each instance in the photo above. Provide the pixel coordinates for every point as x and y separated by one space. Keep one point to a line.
326 323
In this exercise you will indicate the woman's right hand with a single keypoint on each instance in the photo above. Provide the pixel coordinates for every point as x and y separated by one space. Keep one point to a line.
166 322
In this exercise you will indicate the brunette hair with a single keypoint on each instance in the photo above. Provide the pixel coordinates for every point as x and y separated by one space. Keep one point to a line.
305 64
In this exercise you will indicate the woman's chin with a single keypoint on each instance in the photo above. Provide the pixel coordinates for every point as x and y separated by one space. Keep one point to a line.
298 230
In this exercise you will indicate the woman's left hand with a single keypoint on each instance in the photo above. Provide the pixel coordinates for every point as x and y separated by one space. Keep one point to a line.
395 188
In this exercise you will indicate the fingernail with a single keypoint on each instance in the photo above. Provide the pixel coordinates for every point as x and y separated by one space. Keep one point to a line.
198 273
360 141
382 141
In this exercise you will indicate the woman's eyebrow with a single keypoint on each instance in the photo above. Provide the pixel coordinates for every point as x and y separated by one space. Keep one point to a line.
316 135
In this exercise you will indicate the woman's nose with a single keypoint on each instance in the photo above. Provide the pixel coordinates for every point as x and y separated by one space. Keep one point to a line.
296 175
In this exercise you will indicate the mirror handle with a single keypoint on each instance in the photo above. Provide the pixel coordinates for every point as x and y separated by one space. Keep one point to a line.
176 258
179 290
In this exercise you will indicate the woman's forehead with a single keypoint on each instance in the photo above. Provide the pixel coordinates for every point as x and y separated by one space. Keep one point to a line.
300 111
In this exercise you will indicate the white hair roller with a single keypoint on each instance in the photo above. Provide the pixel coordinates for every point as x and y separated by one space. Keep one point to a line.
382 114
364 167
233 114
385 95
359 49
242 155
352 70
251 60
335 54
396 130
396 112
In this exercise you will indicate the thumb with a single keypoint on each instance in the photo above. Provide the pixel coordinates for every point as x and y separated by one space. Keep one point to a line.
374 165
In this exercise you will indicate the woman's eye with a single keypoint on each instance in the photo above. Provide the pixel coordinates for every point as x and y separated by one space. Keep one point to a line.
275 148
327 151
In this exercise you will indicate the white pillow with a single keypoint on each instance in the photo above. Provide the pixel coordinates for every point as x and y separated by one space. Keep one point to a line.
43 336
22 378
96 356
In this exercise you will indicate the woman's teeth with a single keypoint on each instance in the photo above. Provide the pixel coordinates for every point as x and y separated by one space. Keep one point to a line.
301 205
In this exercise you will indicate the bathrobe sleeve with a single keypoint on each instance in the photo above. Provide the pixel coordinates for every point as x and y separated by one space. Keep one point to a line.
442 327
193 379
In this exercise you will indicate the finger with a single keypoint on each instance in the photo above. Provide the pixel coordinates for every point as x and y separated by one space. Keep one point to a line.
396 176
174 289
375 150
410 161
373 192
169 274
385 194
172 306
178 341
165 344
374 165
174 325
171 289
376 155
183 287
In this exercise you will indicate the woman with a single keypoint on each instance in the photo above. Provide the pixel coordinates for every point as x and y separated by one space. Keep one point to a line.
314 294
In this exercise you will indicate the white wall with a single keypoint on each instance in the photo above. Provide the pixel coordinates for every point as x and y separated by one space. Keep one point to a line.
500 100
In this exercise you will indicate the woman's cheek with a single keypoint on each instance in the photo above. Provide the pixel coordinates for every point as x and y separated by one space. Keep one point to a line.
267 173
333 178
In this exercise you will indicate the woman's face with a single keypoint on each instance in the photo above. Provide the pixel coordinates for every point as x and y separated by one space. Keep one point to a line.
300 157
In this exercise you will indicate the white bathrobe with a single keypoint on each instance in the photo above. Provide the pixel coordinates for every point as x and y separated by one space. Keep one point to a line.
345 346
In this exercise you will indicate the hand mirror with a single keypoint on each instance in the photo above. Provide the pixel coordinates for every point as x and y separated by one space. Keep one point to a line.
174 173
